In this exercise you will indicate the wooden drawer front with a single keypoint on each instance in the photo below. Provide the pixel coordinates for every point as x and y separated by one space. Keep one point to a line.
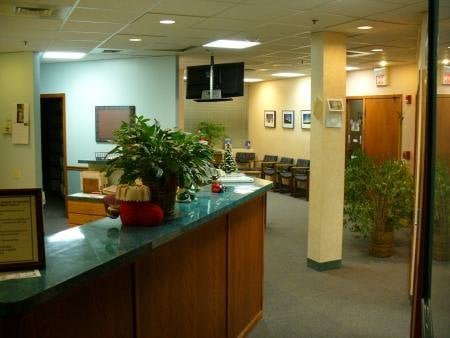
88 208
82 218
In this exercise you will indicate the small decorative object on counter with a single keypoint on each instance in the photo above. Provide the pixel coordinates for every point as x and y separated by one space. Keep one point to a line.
229 164
216 186
135 208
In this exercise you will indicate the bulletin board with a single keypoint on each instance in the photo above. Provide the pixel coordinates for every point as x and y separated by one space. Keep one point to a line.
109 118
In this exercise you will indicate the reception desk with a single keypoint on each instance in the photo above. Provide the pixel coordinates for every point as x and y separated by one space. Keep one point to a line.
200 274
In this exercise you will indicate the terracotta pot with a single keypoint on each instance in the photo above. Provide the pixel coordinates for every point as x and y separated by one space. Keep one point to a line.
382 243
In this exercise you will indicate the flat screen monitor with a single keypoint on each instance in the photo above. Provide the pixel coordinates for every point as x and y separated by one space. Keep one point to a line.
228 77
109 118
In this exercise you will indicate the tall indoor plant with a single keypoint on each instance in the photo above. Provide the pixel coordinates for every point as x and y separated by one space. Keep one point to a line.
212 131
162 158
441 228
378 199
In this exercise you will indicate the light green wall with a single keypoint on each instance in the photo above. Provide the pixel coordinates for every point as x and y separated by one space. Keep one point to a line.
150 84
20 165
232 114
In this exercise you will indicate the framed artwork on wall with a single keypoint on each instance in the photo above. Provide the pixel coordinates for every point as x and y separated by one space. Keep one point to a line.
269 118
288 119
109 118
306 119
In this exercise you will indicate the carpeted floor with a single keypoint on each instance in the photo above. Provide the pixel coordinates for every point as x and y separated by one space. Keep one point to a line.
367 297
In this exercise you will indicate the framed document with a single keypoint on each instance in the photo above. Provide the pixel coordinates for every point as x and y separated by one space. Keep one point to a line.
21 230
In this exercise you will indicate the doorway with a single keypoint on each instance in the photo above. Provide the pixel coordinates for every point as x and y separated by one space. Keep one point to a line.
374 126
53 150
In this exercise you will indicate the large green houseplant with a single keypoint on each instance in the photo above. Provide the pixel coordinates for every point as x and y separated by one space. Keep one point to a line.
378 199
441 228
162 158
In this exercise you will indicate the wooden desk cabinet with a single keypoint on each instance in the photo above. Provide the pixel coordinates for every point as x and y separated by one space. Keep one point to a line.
84 211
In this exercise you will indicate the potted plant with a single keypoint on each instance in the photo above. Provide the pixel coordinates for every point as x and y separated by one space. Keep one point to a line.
163 158
211 131
441 233
378 199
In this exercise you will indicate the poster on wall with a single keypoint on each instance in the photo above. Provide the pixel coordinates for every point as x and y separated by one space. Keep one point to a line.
306 119
381 76
21 229
269 118
288 119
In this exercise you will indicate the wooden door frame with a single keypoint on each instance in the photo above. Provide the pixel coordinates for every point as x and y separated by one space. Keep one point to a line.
61 96
364 97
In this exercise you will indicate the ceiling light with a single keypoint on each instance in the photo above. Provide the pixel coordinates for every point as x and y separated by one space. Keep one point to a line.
445 61
135 39
348 68
251 80
365 27
235 44
167 22
288 74
383 63
64 55
377 50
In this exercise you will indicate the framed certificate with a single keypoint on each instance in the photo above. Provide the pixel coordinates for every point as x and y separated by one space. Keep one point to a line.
21 230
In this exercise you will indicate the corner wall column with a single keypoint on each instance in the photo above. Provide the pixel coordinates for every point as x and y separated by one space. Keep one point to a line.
326 199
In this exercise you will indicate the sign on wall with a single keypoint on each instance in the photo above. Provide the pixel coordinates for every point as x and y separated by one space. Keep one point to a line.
381 76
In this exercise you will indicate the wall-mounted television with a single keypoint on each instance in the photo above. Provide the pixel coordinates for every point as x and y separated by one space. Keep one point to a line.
109 118
228 77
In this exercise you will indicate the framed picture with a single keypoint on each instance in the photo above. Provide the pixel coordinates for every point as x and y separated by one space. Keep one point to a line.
109 118
306 119
21 229
288 119
335 105
269 118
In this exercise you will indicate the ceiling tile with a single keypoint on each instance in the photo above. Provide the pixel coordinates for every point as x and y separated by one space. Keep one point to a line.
8 23
225 24
128 5
315 20
95 27
261 13
75 45
406 14
356 8
291 4
193 7
102 15
88 36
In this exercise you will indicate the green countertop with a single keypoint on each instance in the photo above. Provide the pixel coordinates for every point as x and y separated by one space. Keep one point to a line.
80 253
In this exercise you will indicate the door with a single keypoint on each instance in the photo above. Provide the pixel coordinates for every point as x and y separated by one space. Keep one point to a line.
53 145
382 127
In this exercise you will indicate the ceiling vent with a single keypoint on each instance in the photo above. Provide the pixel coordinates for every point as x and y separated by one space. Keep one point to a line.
111 51
33 11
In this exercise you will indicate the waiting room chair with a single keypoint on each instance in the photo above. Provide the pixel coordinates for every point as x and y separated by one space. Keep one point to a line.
267 165
245 161
282 169
300 178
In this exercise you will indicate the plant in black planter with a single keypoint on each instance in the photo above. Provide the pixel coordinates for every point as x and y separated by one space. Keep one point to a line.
378 199
163 158
441 228
212 131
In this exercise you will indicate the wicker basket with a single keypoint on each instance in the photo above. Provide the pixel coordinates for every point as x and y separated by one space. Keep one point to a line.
164 195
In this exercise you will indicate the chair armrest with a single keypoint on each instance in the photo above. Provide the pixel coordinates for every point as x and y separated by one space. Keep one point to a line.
281 166
300 169
263 163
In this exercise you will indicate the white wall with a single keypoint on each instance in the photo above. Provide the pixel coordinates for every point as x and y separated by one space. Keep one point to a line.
290 94
20 165
150 84
295 94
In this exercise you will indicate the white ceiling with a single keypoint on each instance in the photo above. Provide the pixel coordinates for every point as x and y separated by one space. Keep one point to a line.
282 26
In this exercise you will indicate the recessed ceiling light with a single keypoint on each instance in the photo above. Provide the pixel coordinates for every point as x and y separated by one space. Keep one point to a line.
348 68
167 22
288 74
365 27
135 39
250 79
235 44
64 55
383 63
445 61
377 50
